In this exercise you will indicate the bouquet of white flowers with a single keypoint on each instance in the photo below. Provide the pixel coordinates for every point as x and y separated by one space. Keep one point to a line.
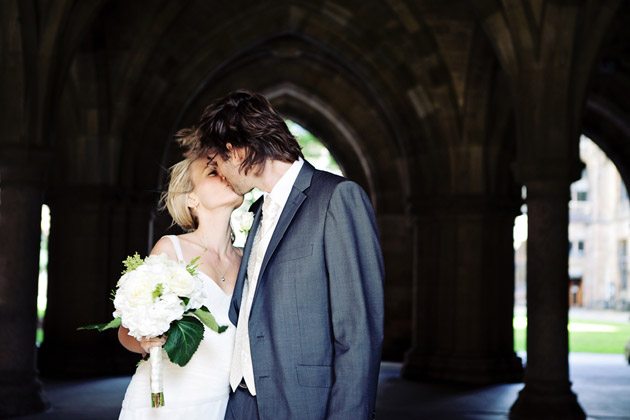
157 296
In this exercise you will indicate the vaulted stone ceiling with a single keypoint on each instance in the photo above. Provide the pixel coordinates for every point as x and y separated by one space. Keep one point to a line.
427 49
144 69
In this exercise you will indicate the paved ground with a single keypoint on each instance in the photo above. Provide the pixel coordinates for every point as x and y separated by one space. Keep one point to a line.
600 315
602 383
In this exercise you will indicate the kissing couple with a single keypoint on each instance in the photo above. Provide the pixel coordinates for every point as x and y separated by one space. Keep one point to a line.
303 300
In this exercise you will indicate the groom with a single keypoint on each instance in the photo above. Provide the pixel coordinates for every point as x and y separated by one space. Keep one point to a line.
308 301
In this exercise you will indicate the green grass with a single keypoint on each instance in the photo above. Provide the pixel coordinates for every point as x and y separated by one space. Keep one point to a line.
39 336
585 336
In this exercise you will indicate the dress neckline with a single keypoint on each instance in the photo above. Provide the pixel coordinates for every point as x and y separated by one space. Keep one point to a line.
215 283
180 257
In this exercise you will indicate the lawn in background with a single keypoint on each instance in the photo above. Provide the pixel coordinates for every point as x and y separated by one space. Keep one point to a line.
585 336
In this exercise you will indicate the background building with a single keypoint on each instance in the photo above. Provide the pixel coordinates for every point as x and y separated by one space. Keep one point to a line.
599 231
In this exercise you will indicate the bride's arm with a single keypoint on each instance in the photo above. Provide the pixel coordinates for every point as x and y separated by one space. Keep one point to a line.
131 344
164 245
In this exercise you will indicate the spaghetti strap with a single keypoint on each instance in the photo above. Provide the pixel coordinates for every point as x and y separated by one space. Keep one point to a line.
178 247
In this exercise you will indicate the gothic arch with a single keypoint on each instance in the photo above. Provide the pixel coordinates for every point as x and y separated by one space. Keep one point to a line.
606 118
172 60
335 106
608 127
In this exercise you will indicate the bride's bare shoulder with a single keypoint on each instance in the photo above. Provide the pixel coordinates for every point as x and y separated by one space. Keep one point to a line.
164 246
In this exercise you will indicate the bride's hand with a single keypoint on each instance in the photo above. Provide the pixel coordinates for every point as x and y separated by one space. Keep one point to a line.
147 343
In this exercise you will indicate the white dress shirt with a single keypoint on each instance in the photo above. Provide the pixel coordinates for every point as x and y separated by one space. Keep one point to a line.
273 205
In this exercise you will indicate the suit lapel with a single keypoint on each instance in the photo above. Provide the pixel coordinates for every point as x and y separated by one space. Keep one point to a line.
247 250
295 200
290 208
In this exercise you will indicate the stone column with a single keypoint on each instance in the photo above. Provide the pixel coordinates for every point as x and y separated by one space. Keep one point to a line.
21 195
93 228
463 292
396 238
547 393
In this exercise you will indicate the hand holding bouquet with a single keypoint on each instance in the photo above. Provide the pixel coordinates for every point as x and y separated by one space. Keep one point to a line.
157 296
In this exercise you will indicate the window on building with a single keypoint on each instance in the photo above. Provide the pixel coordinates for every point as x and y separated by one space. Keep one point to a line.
582 196
580 247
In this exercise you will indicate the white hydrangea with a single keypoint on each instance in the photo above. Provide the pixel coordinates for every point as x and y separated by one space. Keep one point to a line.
153 295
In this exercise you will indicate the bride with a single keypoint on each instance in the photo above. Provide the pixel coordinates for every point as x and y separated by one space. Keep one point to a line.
200 202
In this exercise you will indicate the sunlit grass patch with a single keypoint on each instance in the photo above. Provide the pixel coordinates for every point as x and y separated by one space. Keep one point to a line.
585 336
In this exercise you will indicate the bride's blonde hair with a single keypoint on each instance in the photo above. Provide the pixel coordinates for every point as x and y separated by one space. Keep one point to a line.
175 198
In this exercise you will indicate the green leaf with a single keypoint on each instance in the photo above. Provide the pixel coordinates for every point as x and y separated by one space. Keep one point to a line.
182 340
115 323
207 318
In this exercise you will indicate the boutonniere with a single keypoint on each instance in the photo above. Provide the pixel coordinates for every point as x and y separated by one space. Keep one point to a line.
245 221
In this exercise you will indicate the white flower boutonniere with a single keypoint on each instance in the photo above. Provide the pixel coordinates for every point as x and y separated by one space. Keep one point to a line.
245 220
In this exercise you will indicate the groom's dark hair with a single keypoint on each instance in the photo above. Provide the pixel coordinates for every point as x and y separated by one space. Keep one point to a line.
247 120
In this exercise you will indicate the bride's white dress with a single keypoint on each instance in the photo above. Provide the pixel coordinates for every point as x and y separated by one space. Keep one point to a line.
199 390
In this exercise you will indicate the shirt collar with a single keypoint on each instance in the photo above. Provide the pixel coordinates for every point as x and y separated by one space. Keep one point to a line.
280 192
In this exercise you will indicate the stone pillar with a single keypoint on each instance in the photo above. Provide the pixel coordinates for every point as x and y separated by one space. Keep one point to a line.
396 238
92 229
463 293
547 393
21 194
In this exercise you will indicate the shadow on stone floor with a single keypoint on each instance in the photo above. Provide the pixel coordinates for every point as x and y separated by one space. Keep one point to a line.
602 383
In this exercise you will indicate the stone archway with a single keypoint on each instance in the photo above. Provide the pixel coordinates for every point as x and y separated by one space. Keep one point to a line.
348 139
336 134
609 127
368 90
404 93
606 117
122 128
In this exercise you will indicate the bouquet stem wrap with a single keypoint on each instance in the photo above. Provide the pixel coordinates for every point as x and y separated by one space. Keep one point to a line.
157 390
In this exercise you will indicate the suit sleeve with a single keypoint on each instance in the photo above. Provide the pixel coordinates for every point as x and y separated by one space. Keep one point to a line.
355 268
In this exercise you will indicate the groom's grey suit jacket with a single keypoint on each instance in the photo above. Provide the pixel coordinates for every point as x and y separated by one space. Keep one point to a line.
316 323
